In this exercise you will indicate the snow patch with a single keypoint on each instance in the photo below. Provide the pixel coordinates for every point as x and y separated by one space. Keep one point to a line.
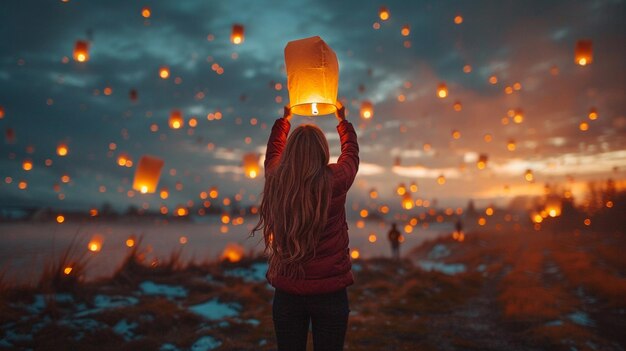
213 309
439 251
255 273
169 291
206 343
445 268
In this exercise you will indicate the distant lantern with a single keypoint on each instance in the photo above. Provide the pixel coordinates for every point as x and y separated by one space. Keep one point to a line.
373 193
553 206
401 189
95 244
405 31
133 95
457 106
122 159
367 109
251 165
593 114
81 51
164 72
1 112
164 193
237 36
442 90
407 202
62 149
441 180
482 161
518 116
176 119
383 13
583 54
27 165
312 76
147 174
145 12
511 145
233 252
528 175
413 187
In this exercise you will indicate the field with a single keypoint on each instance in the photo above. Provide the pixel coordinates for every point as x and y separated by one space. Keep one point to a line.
520 290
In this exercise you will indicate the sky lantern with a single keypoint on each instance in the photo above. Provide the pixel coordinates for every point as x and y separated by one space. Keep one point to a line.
553 206
9 135
528 175
482 161
383 13
458 19
251 165
233 252
511 145
407 202
62 149
1 112
181 211
81 51
145 12
164 72
27 165
413 187
373 193
236 35
312 76
406 30
401 189
122 159
441 180
593 114
95 244
583 54
133 95
367 109
176 120
147 174
518 116
442 90
164 193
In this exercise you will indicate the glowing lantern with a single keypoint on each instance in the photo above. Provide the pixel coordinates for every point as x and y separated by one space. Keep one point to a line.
441 180
593 114
232 252
407 202
413 187
355 254
482 161
383 13
145 12
457 106
251 165
528 175
95 244
122 159
510 145
1 112
27 165
62 150
583 54
130 242
373 194
164 72
442 90
312 76
147 174
367 110
236 36
164 193
181 211
405 31
583 126
401 189
81 51
176 120
518 116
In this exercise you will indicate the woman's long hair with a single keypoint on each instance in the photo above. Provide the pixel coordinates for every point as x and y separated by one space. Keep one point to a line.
294 206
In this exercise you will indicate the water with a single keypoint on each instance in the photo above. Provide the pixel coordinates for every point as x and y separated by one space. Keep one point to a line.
25 248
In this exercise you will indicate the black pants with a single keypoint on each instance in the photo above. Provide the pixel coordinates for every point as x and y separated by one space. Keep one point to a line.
328 314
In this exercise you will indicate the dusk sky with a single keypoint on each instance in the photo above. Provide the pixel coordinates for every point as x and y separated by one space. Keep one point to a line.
528 46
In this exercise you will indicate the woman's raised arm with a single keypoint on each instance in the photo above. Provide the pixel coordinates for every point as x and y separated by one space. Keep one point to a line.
278 139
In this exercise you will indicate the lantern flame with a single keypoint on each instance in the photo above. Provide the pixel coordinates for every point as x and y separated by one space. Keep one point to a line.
314 110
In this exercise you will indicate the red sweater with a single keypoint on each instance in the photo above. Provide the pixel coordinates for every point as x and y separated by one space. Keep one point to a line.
330 269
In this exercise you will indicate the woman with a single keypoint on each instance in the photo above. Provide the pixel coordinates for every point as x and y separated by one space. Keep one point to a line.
303 219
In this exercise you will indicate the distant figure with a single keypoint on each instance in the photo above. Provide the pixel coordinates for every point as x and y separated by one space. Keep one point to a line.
394 240
458 226
458 231
303 221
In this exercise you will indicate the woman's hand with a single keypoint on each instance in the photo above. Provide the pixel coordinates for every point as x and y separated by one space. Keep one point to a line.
341 112
287 112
